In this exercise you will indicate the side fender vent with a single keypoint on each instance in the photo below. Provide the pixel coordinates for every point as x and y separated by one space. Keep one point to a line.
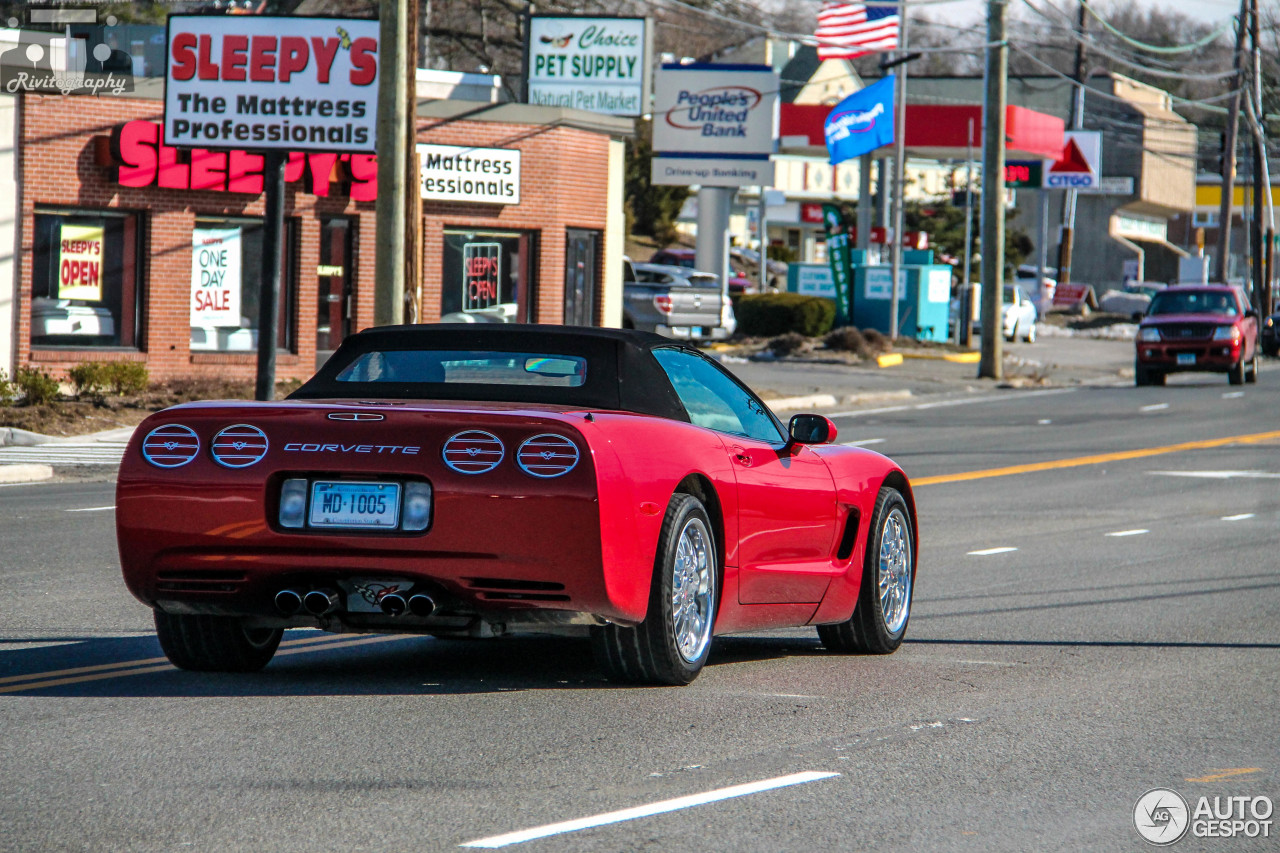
850 536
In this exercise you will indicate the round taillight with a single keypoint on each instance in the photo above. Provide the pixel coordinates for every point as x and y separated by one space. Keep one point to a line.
239 446
473 452
170 446
547 455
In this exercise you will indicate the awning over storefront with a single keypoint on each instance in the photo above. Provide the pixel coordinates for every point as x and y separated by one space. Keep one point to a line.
935 132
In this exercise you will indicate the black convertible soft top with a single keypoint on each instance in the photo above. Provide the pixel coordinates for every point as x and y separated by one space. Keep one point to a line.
622 373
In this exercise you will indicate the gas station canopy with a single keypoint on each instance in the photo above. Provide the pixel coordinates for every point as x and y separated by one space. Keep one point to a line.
933 132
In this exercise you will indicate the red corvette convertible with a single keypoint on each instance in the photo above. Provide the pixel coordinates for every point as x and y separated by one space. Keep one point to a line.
476 480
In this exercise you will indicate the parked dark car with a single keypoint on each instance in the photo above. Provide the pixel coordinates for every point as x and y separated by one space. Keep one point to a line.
1270 339
1204 328
687 258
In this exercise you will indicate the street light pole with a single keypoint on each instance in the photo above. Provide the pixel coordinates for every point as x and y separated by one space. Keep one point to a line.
899 177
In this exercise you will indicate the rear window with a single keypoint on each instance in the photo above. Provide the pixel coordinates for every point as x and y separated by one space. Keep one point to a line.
1194 302
467 367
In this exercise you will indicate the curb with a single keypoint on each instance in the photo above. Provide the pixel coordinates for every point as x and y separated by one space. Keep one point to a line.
889 359
810 401
25 473
953 357
15 437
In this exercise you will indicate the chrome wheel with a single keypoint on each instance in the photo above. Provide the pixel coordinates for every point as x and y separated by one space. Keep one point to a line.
692 590
895 571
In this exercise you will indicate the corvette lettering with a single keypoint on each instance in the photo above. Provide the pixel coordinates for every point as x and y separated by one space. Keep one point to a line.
402 449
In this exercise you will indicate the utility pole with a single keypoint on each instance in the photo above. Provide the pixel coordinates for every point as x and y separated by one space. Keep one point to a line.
413 174
899 176
1261 178
393 136
1222 263
269 293
1077 123
991 365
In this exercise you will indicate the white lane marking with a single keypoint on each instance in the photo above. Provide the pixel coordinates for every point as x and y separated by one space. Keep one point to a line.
1241 517
989 551
1154 407
661 807
863 443
1135 532
990 398
91 509
1219 475
1231 395
1044 421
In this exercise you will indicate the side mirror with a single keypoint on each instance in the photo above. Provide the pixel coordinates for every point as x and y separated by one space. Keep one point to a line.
812 429
1251 313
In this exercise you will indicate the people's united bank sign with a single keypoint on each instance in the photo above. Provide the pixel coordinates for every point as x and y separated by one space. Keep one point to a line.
714 125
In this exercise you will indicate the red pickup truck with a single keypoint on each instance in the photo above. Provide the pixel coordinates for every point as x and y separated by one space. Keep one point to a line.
1203 327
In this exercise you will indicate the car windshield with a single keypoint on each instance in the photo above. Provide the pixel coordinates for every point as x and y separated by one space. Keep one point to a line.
1193 302
466 367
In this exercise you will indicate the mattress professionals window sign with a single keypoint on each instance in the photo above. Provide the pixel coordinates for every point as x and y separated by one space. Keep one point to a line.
714 125
257 82
595 64
475 175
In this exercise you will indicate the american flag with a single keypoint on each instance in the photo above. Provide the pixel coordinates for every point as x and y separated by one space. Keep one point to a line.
850 30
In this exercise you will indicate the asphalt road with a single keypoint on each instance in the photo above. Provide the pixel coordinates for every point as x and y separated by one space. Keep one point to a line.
1095 616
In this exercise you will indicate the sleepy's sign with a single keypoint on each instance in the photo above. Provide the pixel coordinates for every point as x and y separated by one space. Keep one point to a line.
257 82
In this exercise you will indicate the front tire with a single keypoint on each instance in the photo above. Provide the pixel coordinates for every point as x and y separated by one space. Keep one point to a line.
1236 374
215 643
673 642
879 620
1252 375
1031 333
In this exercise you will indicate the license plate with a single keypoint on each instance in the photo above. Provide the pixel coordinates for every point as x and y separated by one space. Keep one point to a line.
695 331
374 506
1186 358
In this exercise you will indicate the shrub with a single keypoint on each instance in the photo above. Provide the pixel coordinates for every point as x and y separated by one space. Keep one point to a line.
877 342
8 393
125 377
88 378
790 343
37 387
846 338
772 314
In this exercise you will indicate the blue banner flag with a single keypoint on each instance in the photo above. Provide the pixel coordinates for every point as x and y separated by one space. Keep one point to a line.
861 122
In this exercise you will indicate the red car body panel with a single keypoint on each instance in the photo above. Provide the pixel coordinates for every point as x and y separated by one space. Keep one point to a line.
204 538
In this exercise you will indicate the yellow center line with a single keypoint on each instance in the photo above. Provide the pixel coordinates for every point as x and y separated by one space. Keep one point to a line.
57 678
1097 459
1227 774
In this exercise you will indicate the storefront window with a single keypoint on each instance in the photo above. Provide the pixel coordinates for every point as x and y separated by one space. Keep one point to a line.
226 282
487 275
85 280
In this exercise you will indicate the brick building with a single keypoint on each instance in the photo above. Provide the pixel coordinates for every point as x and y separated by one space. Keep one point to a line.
129 250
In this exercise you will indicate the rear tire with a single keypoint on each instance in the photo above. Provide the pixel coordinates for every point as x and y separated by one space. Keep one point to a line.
879 619
215 643
673 642
1012 336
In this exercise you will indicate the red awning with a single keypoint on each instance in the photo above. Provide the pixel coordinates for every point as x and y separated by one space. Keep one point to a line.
936 132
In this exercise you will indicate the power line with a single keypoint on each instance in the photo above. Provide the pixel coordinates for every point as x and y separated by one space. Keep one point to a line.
1182 48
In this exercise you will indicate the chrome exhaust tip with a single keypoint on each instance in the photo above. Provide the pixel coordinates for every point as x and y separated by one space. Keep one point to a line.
320 602
289 602
421 604
393 604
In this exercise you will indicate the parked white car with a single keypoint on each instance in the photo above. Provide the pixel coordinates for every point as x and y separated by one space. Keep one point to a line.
1020 315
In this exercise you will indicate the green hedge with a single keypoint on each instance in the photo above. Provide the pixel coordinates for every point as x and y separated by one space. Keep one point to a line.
770 314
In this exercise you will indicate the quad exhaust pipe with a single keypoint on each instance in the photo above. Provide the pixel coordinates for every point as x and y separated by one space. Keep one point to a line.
323 601
289 602
320 602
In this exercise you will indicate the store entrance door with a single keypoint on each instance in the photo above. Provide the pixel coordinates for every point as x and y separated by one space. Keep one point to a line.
336 291
581 277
